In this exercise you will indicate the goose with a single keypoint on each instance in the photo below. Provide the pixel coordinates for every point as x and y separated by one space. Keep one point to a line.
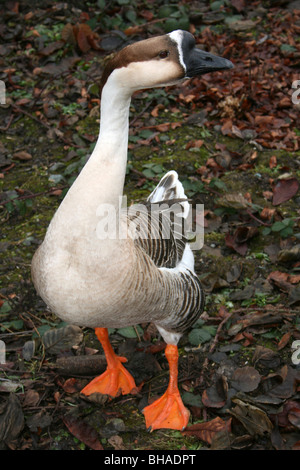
103 281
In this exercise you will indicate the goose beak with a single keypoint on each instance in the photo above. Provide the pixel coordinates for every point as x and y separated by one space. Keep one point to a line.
199 62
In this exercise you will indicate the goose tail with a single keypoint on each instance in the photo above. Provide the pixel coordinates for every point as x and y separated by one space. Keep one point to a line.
170 190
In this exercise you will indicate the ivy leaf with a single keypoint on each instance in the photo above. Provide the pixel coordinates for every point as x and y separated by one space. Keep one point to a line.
130 331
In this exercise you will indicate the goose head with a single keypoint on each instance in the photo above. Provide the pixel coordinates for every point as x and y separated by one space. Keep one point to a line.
161 61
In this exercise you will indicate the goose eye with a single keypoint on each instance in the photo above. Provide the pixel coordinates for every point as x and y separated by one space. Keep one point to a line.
163 54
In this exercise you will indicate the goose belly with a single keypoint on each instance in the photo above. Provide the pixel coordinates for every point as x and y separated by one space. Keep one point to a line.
88 294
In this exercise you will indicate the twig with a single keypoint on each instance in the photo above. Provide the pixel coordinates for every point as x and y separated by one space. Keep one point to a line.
213 346
216 338
31 196
19 110
141 113
4 129
256 219
271 308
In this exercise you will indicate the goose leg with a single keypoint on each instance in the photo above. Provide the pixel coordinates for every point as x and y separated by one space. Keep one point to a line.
168 411
116 379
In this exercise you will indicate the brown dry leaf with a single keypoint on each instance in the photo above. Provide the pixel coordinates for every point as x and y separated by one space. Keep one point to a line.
72 386
273 161
245 379
51 48
22 155
11 419
289 254
284 190
284 340
287 388
156 109
265 357
131 30
194 144
68 34
83 431
163 127
31 398
281 280
227 127
233 201
39 420
267 213
234 273
206 431
294 416
263 120
232 243
254 420
117 442
82 40
60 339
290 408
216 395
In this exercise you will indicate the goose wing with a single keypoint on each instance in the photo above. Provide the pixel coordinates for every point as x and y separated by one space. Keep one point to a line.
160 222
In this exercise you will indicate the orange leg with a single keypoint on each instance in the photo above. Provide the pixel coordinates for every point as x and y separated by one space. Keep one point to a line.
168 411
116 379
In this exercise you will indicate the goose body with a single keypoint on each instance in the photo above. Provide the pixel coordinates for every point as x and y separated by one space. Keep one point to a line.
114 281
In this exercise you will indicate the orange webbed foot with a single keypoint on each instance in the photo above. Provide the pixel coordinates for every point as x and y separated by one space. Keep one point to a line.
168 412
116 379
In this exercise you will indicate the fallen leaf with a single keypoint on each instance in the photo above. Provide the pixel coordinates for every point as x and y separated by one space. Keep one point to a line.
206 431
117 442
11 419
68 35
72 386
267 213
216 395
39 420
284 341
294 296
289 413
287 388
289 254
294 416
31 398
284 190
254 420
59 339
281 280
245 379
231 242
233 201
265 357
22 155
83 431
273 161
194 144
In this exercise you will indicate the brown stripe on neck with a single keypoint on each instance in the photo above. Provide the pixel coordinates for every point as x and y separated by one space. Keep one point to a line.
145 50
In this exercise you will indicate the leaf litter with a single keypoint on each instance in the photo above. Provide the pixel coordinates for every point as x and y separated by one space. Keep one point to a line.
238 137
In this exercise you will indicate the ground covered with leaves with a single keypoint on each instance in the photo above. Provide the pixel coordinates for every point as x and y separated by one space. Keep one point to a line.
234 139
